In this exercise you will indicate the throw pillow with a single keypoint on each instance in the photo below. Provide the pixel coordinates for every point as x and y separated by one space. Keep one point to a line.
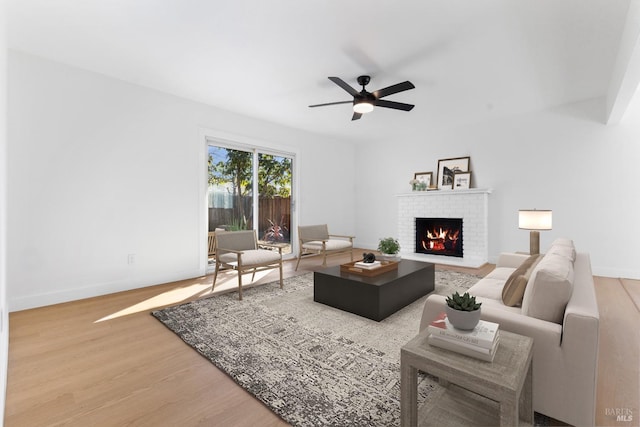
549 289
514 287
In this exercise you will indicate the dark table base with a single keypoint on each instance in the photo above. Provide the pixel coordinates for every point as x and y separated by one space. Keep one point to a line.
374 297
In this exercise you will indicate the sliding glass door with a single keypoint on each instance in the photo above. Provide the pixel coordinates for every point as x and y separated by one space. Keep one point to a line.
274 199
251 188
230 189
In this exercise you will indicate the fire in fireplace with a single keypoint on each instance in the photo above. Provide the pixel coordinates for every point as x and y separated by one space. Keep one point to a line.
439 236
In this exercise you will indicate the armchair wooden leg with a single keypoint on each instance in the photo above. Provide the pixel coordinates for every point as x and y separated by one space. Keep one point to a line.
215 276
240 271
324 259
351 255
298 263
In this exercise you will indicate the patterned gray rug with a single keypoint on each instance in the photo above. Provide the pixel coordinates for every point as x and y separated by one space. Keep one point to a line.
311 364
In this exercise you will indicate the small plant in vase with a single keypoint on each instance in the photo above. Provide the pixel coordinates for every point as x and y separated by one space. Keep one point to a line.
389 248
417 185
463 311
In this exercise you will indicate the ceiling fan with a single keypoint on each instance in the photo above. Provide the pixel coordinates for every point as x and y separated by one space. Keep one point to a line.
363 101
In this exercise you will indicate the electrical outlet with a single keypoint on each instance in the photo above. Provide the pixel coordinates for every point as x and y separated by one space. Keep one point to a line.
131 259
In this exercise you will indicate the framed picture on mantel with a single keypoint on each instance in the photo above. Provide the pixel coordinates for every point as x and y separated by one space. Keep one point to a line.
447 168
461 180
424 178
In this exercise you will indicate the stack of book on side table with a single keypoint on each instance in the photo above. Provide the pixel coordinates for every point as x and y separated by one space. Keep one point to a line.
480 342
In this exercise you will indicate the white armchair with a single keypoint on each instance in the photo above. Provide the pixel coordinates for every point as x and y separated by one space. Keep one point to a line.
315 239
239 250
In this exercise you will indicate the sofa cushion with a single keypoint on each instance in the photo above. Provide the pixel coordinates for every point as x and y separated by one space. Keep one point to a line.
549 289
500 273
487 288
565 251
514 287
563 246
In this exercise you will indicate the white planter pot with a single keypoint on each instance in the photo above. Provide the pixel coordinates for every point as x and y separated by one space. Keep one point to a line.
388 257
465 320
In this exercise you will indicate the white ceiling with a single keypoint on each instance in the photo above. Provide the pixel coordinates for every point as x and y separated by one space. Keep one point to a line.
470 60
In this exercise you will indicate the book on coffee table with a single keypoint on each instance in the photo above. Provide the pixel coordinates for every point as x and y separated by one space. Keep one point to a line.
368 265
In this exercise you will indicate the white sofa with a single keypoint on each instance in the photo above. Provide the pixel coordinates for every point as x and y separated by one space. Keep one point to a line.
559 311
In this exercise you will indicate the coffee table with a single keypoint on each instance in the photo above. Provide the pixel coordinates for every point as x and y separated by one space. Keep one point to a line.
374 297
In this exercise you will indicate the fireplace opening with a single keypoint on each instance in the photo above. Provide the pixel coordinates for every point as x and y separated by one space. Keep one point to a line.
439 236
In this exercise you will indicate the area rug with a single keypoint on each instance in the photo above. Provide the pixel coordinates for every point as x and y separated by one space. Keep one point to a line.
313 365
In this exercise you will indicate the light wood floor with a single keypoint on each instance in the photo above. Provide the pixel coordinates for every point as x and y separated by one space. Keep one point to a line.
106 361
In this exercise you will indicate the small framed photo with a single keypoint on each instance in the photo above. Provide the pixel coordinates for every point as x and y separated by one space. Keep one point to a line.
461 180
424 177
447 169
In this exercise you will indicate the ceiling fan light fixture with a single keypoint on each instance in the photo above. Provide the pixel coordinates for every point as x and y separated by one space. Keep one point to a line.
363 101
362 106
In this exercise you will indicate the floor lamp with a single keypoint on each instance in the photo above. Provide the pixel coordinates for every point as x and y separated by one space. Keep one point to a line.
534 220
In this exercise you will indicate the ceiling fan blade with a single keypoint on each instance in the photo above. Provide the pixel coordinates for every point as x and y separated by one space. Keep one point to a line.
393 104
343 85
356 116
331 103
390 90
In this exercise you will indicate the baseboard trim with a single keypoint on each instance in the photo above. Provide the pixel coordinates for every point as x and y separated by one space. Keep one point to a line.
94 290
620 273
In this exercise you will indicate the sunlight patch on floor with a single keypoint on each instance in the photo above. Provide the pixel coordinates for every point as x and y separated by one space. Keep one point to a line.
227 281
166 298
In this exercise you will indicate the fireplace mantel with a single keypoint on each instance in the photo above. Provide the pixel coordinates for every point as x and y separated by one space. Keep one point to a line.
471 205
441 192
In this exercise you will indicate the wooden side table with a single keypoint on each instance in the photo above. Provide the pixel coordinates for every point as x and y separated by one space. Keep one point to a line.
501 390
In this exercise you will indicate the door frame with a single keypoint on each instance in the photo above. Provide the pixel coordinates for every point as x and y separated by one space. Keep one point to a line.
223 139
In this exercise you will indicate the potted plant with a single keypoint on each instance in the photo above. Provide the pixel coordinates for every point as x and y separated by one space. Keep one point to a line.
463 311
276 231
389 248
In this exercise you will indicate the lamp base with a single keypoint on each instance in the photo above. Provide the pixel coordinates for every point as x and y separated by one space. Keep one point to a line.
534 242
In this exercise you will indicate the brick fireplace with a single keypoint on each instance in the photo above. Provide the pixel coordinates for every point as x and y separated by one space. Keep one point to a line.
470 206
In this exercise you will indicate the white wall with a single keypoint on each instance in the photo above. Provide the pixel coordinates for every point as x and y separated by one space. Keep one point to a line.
99 169
565 160
4 312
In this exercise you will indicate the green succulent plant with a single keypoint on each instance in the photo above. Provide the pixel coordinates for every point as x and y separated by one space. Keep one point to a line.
389 245
464 302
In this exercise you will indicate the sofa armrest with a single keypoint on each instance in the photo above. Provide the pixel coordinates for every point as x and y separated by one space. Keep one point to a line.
511 260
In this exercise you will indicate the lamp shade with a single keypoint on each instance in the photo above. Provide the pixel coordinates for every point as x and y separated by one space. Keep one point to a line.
532 219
